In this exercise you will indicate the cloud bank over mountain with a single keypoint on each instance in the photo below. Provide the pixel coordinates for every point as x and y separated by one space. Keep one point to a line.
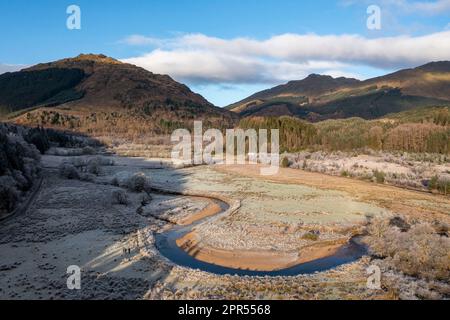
201 59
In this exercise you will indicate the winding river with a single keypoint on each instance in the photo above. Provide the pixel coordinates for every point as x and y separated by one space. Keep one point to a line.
167 246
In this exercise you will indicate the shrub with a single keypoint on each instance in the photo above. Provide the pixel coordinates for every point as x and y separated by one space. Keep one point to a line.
441 228
400 223
68 171
379 176
9 195
115 181
377 229
432 184
120 197
39 138
285 162
22 183
139 182
94 166
418 252
311 235
344 173
441 184
146 199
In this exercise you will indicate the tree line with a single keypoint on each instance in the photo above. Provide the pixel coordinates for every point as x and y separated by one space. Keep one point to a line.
432 136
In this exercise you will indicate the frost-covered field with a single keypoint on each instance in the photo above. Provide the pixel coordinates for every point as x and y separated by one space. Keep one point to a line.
93 218
273 216
401 169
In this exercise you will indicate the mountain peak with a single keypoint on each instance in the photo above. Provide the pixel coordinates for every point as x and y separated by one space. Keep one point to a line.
96 58
320 79
318 76
323 96
316 84
436 66
96 80
85 62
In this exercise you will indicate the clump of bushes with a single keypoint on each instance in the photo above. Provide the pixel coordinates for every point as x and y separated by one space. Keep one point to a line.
91 166
139 182
72 172
421 251
379 176
413 256
400 223
19 166
285 162
94 166
311 235
9 195
69 171
39 138
345 173
440 184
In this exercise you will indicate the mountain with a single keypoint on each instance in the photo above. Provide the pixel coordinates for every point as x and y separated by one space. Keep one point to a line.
95 93
320 97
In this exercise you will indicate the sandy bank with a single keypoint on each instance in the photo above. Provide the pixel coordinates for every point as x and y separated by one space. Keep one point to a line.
255 260
211 209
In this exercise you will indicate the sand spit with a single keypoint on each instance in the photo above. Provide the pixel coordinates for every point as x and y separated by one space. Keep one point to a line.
255 260
210 210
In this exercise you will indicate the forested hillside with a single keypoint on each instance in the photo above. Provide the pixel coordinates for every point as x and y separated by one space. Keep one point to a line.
421 130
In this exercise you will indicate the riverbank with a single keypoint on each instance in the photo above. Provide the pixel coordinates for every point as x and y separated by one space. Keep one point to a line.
255 260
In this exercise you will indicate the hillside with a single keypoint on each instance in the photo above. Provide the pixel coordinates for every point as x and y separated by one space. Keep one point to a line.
104 97
418 130
319 97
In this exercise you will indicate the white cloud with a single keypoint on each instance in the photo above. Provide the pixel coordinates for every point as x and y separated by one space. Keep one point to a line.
197 58
10 68
205 66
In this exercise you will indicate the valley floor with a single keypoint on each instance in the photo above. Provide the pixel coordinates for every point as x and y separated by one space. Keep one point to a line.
73 222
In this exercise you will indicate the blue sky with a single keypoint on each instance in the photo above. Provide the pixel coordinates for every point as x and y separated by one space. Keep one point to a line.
228 49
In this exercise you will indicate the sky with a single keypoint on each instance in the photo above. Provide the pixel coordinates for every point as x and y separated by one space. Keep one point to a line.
227 50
